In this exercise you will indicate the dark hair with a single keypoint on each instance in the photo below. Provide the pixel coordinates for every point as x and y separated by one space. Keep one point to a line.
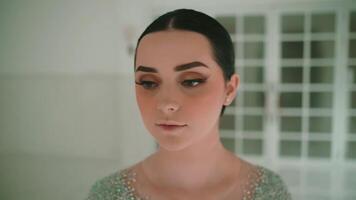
191 20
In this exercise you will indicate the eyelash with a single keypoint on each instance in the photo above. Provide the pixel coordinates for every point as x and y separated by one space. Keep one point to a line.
199 81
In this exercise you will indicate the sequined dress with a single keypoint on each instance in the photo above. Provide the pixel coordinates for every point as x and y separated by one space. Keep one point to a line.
260 184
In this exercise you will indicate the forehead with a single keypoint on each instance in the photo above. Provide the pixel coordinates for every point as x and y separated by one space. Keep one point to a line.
172 47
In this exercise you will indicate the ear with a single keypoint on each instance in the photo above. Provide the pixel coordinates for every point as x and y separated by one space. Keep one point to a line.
231 89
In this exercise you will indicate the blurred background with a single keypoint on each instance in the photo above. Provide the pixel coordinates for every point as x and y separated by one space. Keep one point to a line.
68 114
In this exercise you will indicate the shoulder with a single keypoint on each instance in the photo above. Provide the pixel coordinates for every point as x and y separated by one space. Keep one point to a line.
104 188
270 186
110 187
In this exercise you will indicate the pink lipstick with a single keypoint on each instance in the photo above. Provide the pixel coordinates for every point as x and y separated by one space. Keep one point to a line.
170 127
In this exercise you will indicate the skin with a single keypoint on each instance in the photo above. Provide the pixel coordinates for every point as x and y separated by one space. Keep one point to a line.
191 159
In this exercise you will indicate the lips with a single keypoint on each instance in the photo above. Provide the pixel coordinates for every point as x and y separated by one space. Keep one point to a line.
173 126
170 125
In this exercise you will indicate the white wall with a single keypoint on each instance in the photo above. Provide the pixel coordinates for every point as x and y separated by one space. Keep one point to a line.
68 114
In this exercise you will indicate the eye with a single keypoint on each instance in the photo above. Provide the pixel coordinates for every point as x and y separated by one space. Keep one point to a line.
147 84
192 82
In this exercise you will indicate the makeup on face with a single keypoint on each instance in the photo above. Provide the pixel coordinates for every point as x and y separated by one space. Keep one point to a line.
189 79
171 128
179 87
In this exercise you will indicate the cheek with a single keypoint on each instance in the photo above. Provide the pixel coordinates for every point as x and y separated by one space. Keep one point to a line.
144 102
206 102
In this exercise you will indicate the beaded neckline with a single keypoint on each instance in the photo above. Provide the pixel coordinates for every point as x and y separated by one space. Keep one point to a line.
126 190
128 177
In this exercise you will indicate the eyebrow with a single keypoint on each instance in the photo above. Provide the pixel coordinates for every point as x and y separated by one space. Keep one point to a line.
177 68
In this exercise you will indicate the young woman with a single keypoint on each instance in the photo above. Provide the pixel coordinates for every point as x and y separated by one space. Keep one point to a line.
184 74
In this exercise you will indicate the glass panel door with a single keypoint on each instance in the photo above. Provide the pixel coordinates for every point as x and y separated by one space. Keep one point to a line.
307 49
243 124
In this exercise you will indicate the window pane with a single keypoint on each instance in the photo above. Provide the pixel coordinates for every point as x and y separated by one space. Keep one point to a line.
352 49
322 49
320 124
238 50
238 100
352 124
352 71
253 123
353 22
253 50
252 146
229 23
323 23
254 99
292 75
291 124
353 99
292 24
321 74
351 149
292 49
253 75
229 143
290 148
321 99
254 24
319 149
291 99
227 122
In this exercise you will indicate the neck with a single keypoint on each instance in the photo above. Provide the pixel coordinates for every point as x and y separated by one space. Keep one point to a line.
201 164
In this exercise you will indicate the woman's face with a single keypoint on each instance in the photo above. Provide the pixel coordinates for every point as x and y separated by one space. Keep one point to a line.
179 83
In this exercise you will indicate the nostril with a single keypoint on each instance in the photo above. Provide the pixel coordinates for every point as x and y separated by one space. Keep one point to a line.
169 107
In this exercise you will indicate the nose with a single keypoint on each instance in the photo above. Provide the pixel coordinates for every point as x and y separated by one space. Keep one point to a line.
168 107
167 99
